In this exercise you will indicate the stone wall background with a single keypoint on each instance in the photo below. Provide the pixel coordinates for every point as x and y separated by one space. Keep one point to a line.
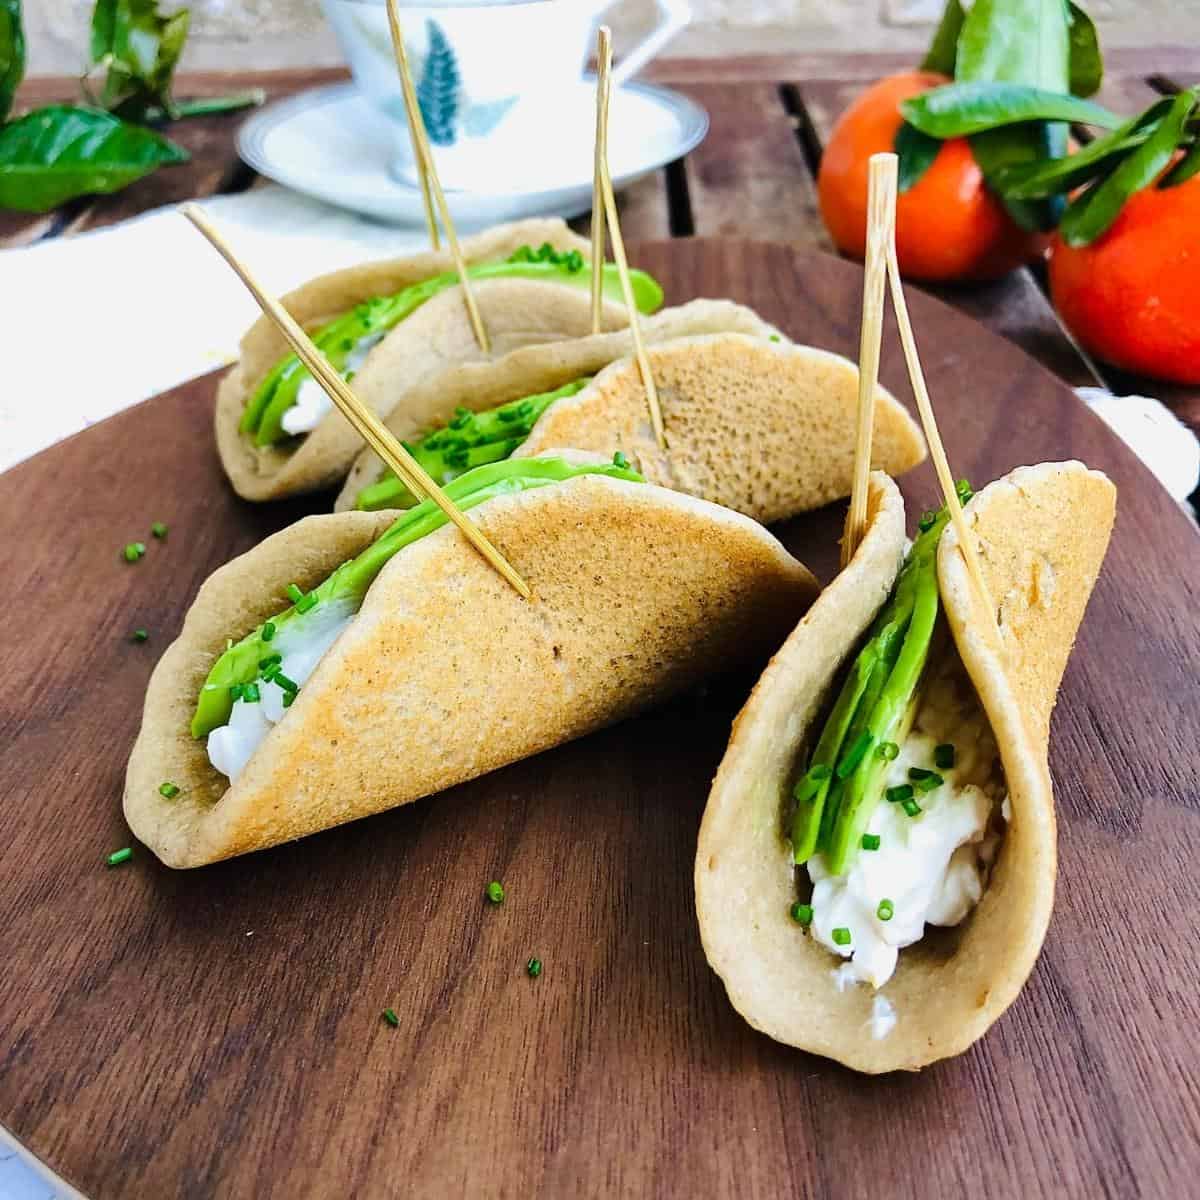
233 34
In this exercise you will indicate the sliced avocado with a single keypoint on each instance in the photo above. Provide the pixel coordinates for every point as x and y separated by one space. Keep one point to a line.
263 415
843 781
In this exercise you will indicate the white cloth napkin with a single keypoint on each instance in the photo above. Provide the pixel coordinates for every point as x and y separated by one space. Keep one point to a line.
92 324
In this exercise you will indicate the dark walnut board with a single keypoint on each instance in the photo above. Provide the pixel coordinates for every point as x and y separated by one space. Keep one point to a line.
217 1032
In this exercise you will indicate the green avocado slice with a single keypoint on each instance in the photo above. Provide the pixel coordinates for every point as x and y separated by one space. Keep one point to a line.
844 778
242 663
262 417
468 440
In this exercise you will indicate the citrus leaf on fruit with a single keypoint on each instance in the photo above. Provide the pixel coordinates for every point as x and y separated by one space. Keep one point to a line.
1090 214
1031 181
943 50
1184 169
962 109
916 152
1086 64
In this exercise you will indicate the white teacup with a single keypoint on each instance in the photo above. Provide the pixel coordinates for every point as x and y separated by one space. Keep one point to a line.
487 72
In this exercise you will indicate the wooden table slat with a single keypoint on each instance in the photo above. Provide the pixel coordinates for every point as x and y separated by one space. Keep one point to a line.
749 177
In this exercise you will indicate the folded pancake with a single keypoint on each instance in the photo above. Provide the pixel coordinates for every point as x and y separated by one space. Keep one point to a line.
437 333
1043 532
753 422
444 672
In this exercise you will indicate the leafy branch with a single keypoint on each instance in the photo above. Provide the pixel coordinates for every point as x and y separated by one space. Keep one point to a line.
62 151
1022 69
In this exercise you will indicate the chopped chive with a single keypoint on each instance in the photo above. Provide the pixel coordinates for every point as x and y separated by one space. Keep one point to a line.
236 690
886 910
802 914
306 602
168 789
461 419
272 660
288 697
389 1015
963 489
495 892
250 693
841 936
820 772
118 857
278 677
619 460
888 751
133 551
927 519
911 808
268 631
944 756
159 530
533 968
926 781
138 635
854 755
294 594
870 841
774 338
900 793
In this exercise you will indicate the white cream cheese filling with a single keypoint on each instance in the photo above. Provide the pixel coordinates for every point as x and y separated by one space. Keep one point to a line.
302 644
312 402
932 867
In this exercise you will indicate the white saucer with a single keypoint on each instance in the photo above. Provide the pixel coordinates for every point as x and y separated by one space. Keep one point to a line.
331 143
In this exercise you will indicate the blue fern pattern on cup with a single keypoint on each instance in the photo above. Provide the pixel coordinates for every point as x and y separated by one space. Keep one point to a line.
439 90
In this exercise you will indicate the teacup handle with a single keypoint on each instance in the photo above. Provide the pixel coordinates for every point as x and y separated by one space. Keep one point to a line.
675 16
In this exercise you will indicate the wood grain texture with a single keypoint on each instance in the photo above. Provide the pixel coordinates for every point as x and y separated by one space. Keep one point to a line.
218 1032
748 178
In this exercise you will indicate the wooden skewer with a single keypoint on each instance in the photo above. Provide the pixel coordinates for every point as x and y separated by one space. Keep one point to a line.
603 91
426 155
413 109
966 542
881 217
618 244
372 429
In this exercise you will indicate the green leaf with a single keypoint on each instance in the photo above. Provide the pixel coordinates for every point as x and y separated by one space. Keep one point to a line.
104 24
1085 62
139 49
12 53
57 153
1035 180
1090 214
1184 169
1018 42
961 109
943 50
916 151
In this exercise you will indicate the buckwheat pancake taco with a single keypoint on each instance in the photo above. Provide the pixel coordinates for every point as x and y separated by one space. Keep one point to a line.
753 421
357 661
897 747
389 326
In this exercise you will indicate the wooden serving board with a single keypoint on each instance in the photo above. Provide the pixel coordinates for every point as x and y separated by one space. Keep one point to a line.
218 1032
